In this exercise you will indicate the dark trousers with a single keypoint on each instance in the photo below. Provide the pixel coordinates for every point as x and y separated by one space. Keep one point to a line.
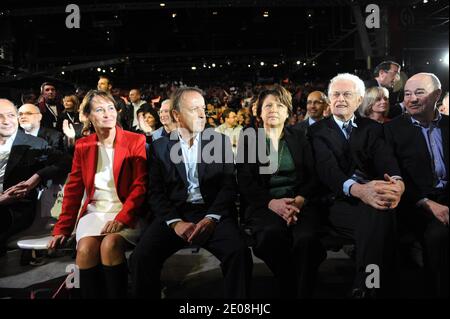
293 253
434 238
15 218
375 236
159 242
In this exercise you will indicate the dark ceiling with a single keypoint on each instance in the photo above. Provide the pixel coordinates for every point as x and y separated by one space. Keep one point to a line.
142 41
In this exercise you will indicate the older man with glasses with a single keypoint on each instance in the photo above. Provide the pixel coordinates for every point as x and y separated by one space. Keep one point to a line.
362 177
25 163
30 121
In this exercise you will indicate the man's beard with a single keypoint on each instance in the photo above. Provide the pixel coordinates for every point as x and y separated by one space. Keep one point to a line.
28 127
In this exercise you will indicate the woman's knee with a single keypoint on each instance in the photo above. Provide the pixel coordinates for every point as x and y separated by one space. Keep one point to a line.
112 245
88 251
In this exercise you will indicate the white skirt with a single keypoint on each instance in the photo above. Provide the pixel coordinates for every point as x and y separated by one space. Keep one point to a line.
92 224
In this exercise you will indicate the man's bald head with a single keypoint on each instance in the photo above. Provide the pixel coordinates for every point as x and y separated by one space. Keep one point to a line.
29 117
29 108
7 103
422 91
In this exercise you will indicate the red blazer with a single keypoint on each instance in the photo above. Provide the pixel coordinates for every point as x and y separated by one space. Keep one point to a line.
130 178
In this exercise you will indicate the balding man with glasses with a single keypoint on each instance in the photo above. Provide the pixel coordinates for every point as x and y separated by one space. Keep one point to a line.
25 163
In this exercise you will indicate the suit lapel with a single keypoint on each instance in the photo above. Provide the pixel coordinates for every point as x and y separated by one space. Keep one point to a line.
335 131
18 149
179 164
201 165
445 141
90 153
417 135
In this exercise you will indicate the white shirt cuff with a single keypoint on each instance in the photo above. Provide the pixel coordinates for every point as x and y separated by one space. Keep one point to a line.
347 184
173 221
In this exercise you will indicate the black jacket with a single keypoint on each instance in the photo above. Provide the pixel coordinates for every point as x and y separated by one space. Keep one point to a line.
337 158
411 150
167 191
30 155
255 186
54 138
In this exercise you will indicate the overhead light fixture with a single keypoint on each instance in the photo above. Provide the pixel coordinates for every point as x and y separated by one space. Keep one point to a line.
213 65
425 1
162 4
174 15
262 63
298 62
249 66
193 68
266 14
214 13
99 70
62 72
275 65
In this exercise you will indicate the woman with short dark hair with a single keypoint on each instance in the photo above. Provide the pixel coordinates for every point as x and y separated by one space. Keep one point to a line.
280 187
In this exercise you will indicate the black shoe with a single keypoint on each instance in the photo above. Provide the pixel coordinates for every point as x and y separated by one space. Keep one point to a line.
358 293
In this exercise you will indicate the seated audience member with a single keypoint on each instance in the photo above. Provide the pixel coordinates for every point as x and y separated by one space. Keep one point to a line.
386 74
109 166
132 107
72 132
361 172
316 104
192 197
148 120
375 104
230 128
30 121
420 142
165 117
26 162
70 112
444 106
281 215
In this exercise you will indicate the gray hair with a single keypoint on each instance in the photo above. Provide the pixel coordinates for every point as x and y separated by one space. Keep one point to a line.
178 95
359 84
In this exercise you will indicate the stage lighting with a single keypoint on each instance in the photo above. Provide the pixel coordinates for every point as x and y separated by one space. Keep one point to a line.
445 59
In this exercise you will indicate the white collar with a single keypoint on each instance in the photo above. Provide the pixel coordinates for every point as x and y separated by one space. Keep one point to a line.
341 123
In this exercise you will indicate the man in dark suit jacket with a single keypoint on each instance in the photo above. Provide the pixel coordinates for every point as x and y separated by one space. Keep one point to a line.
25 162
30 121
359 169
420 142
191 193
385 75
316 104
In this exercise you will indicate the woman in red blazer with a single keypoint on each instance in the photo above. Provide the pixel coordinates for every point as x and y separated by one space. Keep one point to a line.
109 169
